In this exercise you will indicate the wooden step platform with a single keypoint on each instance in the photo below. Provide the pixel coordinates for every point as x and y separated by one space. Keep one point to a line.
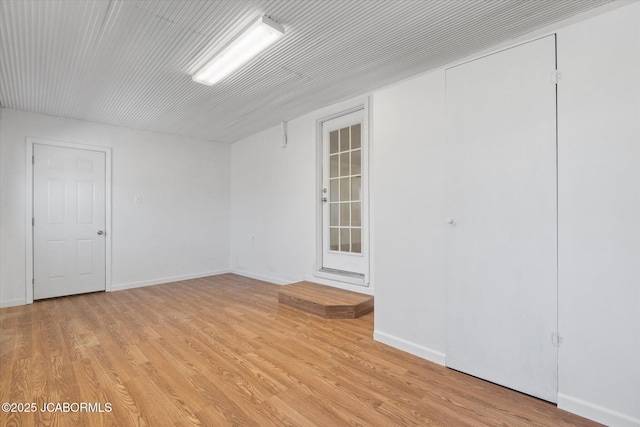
325 301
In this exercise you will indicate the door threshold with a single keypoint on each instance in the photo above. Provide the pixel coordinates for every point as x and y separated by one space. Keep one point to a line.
342 276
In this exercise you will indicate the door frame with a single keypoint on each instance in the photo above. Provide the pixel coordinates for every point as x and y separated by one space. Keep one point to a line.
364 106
29 261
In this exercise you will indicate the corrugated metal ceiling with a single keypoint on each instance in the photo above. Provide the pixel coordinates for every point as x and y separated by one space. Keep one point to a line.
129 63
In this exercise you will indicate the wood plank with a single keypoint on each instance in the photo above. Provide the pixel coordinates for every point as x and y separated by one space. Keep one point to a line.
325 301
222 351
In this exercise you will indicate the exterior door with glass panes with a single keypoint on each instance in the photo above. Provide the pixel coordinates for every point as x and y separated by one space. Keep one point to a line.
344 242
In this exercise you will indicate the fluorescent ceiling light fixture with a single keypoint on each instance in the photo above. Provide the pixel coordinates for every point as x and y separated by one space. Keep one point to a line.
256 38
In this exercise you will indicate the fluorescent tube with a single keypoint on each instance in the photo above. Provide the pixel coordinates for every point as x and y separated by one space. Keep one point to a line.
256 38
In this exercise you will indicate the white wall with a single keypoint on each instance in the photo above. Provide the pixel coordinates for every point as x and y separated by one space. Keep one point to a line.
273 208
408 194
599 216
181 228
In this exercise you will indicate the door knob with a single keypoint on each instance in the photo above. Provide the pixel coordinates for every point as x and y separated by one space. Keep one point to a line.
450 221
100 232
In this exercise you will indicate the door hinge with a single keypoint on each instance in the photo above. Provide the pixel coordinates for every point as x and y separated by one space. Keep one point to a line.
555 76
33 222
556 339
33 281
33 160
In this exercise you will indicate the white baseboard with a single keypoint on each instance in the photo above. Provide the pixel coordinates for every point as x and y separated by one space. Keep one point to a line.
164 280
415 349
274 280
596 412
12 302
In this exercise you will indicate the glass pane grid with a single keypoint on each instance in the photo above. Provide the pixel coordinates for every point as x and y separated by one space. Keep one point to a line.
345 184
346 239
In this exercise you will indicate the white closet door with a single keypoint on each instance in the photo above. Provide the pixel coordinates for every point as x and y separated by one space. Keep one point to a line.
502 258
69 249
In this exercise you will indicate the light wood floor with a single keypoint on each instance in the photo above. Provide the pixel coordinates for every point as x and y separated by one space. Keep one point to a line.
222 351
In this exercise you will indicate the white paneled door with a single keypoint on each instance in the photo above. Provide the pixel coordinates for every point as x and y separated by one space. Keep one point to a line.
344 243
502 255
69 221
